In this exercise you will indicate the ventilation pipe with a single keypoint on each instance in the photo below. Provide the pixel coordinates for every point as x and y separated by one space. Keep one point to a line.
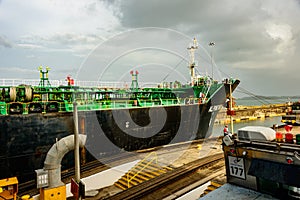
55 155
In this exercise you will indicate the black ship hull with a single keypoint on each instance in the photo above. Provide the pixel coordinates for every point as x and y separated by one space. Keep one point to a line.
26 139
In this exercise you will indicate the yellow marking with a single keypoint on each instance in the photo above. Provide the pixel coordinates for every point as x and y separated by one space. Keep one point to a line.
199 146
129 179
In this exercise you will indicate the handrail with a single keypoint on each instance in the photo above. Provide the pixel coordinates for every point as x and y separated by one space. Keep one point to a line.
138 172
104 84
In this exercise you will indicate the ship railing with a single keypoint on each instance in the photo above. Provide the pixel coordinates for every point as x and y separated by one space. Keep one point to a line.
101 84
110 84
56 83
16 82
32 82
187 101
119 104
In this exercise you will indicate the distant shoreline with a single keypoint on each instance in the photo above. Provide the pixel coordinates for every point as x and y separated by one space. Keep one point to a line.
268 97
265 100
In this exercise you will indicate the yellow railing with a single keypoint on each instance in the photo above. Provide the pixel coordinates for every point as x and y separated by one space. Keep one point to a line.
129 179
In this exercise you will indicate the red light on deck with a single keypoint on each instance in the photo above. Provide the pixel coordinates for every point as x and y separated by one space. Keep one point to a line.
289 138
279 137
288 128
289 160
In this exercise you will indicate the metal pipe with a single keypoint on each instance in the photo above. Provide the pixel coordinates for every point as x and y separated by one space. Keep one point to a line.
231 118
55 156
82 131
76 143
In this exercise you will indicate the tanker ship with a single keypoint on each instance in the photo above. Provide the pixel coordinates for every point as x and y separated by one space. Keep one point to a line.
33 118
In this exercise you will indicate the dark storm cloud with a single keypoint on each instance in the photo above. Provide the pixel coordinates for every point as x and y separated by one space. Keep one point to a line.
189 13
232 25
257 36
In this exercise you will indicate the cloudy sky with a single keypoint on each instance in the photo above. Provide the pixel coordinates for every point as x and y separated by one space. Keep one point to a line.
256 41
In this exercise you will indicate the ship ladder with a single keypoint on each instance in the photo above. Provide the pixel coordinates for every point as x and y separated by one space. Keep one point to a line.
144 170
213 186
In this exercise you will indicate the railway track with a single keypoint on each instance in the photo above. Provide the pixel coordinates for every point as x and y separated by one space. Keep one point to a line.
155 188
87 169
96 166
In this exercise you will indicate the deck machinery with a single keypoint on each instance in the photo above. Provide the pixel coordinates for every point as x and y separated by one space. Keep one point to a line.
262 164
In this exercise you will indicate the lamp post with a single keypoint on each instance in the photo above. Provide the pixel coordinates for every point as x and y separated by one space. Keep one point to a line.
76 144
211 44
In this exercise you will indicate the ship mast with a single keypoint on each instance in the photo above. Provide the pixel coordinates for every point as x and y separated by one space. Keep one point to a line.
44 77
192 63
134 81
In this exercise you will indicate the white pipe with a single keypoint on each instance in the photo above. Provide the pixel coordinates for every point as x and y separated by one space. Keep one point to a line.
55 155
